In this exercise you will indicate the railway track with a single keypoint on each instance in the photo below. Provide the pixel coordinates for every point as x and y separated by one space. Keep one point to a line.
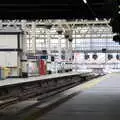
36 92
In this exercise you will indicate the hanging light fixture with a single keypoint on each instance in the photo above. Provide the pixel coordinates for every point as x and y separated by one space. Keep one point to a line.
48 25
85 1
86 57
90 8
70 38
63 57
94 56
66 34
110 56
72 57
117 57
59 30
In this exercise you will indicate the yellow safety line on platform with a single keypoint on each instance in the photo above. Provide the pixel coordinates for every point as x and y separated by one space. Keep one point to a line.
76 89
93 82
87 85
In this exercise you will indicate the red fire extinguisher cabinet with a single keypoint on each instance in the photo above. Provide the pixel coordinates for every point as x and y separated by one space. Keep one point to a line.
42 67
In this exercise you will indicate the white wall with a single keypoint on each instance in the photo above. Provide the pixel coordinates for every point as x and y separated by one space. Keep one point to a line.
8 41
8 59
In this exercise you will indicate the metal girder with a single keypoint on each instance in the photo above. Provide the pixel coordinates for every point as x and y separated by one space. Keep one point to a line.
56 23
97 51
88 51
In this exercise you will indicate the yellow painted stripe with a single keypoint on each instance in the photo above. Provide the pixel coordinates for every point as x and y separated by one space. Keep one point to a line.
92 83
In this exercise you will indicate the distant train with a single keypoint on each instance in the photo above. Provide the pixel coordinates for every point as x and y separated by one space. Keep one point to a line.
67 66
59 67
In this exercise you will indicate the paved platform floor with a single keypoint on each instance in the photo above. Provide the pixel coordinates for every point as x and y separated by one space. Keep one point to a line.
101 102
12 81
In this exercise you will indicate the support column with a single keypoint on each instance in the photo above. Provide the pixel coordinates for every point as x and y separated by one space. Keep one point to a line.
59 31
0 24
70 50
59 47
48 44
24 63
67 50
68 36
33 37
24 47
47 47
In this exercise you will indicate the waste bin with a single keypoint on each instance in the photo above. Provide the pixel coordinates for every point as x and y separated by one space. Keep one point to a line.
3 73
6 72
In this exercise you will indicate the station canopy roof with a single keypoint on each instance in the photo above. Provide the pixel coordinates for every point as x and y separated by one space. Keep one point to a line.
10 30
58 9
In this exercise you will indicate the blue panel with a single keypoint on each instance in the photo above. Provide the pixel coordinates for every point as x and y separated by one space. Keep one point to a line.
44 57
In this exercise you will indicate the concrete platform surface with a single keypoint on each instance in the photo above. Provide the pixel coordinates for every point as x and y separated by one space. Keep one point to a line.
12 81
100 102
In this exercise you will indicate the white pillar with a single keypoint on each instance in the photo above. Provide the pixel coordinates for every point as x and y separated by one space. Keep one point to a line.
67 50
68 54
24 63
33 37
59 31
0 24
59 46
24 43
70 50
48 42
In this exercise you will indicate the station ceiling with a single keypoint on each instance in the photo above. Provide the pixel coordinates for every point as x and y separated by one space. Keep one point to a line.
58 9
